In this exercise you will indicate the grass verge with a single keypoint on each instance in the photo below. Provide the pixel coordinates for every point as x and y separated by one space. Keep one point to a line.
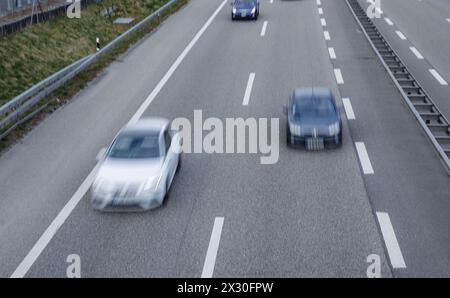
51 63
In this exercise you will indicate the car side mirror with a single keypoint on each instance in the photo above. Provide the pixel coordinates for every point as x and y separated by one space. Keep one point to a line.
101 154
285 109
176 144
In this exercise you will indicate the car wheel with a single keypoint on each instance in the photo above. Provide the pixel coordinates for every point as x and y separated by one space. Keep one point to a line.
340 140
178 165
167 195
288 136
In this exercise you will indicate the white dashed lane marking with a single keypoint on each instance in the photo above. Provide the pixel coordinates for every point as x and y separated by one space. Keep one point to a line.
364 158
332 53
416 52
213 247
348 108
392 246
438 77
264 28
338 75
400 34
248 90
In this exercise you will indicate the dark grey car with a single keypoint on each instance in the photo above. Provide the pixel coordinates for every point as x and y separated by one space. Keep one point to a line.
313 119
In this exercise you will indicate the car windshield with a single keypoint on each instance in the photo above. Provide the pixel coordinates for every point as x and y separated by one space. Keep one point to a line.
242 2
313 106
133 146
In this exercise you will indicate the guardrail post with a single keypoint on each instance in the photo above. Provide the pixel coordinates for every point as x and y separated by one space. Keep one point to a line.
97 41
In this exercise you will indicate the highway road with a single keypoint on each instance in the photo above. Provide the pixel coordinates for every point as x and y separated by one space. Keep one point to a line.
384 193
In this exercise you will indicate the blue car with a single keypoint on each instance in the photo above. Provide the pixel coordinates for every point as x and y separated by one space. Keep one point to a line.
313 119
244 9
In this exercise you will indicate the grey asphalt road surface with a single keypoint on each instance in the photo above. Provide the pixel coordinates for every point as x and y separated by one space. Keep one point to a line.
309 214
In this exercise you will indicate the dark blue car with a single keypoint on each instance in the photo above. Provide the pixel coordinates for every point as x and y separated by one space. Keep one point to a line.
313 119
244 9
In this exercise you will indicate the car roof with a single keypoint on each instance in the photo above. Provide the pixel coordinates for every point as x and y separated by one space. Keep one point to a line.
154 124
253 1
308 92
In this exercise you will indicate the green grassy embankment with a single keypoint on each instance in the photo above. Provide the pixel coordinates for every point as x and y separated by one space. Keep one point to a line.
37 51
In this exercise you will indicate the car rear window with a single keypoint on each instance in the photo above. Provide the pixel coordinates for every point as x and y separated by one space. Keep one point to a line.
314 106
243 1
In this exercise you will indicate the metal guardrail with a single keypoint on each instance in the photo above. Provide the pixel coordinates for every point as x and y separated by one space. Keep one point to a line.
36 90
11 114
8 6
433 122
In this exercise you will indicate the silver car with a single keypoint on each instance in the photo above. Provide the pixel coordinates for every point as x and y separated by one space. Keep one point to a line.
137 170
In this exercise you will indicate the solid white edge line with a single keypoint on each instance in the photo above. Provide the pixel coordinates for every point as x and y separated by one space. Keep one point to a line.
248 89
348 108
213 247
389 22
51 230
338 75
326 35
332 53
47 236
364 158
400 34
438 77
264 28
392 246
323 22
416 52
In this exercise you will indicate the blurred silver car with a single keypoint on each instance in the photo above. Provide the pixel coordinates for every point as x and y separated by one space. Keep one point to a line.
138 168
